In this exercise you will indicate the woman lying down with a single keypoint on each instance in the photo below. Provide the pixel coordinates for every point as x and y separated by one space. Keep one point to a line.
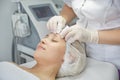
54 57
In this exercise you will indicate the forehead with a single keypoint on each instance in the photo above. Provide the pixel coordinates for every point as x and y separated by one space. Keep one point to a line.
54 35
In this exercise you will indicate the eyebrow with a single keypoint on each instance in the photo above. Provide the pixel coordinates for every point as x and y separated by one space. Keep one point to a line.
58 37
46 35
54 35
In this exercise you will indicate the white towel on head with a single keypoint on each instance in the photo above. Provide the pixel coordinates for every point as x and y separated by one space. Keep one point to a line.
74 59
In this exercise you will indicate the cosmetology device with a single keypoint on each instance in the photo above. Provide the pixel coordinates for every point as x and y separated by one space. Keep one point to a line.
39 11
35 14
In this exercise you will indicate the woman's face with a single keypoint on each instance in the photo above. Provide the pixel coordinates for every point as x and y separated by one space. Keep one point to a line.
51 49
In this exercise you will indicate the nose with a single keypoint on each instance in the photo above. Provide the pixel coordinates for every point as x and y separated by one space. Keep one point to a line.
43 41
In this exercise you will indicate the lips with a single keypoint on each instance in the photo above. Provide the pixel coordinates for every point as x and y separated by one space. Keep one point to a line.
40 47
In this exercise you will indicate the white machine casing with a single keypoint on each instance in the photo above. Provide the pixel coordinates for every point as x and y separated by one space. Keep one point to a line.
39 25
36 24
20 24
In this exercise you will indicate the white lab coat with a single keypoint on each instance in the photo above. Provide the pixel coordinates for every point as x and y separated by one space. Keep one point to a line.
99 15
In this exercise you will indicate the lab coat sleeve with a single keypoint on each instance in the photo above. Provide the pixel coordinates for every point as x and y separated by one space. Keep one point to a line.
68 2
117 3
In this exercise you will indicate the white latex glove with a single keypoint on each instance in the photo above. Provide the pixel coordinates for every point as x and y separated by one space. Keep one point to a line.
56 23
78 33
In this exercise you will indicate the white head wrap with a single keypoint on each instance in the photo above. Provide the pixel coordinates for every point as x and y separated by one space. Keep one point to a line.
74 59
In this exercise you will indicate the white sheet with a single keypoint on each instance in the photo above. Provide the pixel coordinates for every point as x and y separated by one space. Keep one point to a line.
9 71
95 70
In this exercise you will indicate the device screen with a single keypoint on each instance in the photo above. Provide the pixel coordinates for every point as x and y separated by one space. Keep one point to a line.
42 12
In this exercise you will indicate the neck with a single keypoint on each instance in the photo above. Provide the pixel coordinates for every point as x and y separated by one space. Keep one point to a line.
45 72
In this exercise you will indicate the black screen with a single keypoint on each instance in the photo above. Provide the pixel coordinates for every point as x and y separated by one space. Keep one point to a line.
42 12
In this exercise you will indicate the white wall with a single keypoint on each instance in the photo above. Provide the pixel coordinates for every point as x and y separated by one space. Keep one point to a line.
6 10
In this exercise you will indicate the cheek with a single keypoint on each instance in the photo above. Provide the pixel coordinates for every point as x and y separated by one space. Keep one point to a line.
54 49
42 57
57 51
38 55
52 53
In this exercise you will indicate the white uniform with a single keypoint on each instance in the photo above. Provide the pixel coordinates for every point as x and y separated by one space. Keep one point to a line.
99 15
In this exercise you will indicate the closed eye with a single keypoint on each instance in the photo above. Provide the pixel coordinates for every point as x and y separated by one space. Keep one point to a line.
54 40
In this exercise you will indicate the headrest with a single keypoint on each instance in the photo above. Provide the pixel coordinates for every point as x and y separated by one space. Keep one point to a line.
74 59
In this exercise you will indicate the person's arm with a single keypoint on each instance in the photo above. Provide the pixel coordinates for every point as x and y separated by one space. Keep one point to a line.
109 37
68 13
76 32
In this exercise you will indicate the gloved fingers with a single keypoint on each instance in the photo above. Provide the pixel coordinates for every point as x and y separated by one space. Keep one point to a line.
56 23
70 32
54 26
71 40
52 23
70 36
64 32
62 20
73 34
49 24
59 28
61 24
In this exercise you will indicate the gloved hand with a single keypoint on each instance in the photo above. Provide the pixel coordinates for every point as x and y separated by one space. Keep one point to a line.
56 23
76 32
